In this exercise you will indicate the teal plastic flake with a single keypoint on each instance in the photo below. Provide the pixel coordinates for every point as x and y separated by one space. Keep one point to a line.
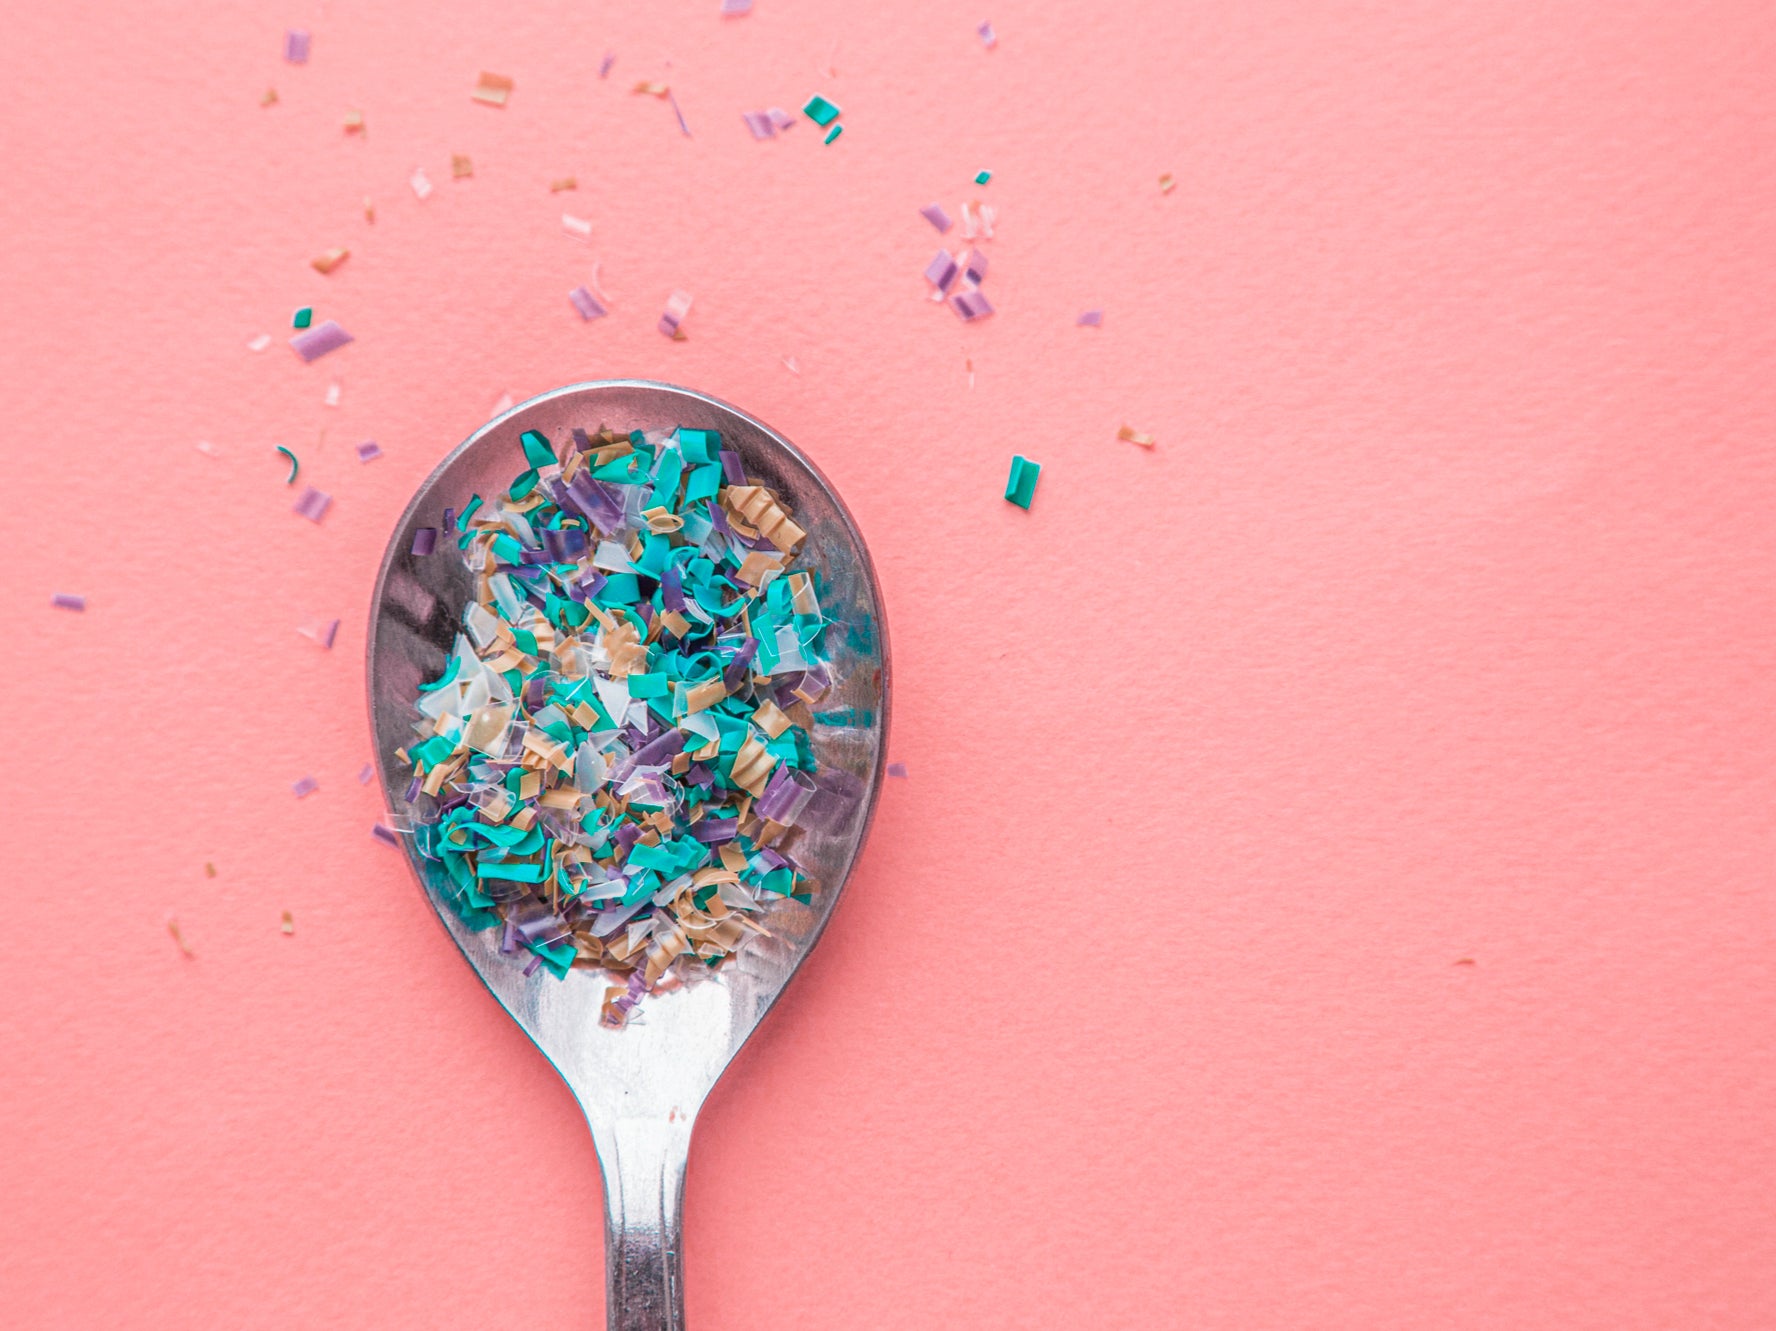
538 451
1021 488
649 686
699 445
834 133
982 177
821 111
665 494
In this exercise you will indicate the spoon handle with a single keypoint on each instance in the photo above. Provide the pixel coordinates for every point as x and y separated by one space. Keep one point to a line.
644 1167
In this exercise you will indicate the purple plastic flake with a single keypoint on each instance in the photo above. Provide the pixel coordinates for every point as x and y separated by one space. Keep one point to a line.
897 769
313 504
326 633
934 213
68 601
296 46
365 773
786 794
673 98
735 8
382 833
1090 319
780 118
535 962
677 306
714 831
414 787
989 38
626 836
369 451
672 595
657 752
976 267
313 343
587 304
732 472
736 670
305 787
970 305
941 271
760 123
604 66
425 540
509 939
448 521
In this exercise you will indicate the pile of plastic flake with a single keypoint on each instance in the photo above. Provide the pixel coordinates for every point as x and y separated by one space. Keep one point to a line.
615 758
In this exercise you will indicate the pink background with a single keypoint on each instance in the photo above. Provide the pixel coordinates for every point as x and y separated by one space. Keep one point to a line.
1438 627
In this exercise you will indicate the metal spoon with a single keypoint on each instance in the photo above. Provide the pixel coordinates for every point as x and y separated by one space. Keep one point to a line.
641 1086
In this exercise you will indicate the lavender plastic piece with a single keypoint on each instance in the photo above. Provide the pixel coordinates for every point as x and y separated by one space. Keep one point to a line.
1090 319
587 304
934 214
733 473
780 118
296 46
736 669
382 833
976 267
313 503
714 831
313 343
68 601
941 271
369 451
760 123
897 769
970 305
306 786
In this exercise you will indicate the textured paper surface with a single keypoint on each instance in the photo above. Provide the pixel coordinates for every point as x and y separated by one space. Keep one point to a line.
1437 626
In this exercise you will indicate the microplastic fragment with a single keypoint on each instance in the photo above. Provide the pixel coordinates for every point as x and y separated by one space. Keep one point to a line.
492 89
316 342
971 305
305 787
604 66
206 447
370 208
354 122
461 167
382 833
259 343
565 182
833 133
974 268
327 262
1090 319
68 601
323 633
897 770
651 89
576 226
789 363
989 38
369 451
780 118
821 111
365 773
296 46
209 869
179 938
982 177
587 304
677 306
425 540
637 816
684 128
289 924
304 317
735 8
501 407
313 504
1021 488
1134 436
269 98
760 123
1167 184
422 188
934 213
295 466
332 397
942 270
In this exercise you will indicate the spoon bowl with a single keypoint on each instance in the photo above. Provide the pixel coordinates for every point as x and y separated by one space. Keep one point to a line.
641 1085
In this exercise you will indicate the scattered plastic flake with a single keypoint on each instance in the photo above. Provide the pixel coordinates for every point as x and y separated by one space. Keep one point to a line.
651 89
971 305
684 128
316 342
205 447
735 8
354 122
209 869
305 787
422 188
383 833
492 89
332 397
425 540
296 43
760 123
501 407
369 451
295 466
1090 319
565 182
974 268
461 168
68 601
289 924
304 317
365 772
313 504
587 304
789 363
1134 436
179 938
780 118
327 262
1021 488
982 177
604 66
934 213
833 133
677 306
323 633
269 97
989 38
259 343
370 208
576 226
942 270
897 770
639 817
821 111
1167 184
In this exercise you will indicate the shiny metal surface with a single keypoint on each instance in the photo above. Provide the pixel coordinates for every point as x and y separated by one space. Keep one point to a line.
641 1087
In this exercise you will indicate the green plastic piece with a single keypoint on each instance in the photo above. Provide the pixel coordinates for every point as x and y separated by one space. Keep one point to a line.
538 451
295 466
982 177
462 519
526 482
665 493
1021 488
649 686
834 132
445 678
820 111
511 873
304 317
